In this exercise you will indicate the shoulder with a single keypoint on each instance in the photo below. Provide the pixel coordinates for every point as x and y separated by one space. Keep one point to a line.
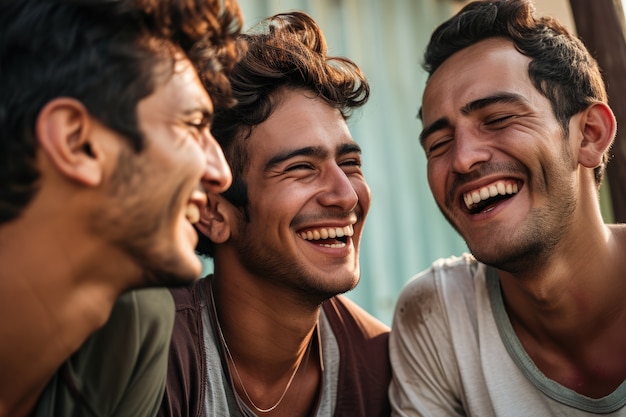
445 275
449 283
365 371
188 329
186 373
343 312
147 307
189 296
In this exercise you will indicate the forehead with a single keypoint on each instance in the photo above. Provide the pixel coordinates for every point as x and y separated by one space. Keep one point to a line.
299 120
179 93
481 70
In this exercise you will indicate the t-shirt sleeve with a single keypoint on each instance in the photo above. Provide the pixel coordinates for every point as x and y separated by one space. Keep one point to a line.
425 381
121 369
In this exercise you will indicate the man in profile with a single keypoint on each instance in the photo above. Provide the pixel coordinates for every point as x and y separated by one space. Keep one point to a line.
105 148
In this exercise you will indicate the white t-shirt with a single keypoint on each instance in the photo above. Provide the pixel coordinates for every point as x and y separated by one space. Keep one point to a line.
454 353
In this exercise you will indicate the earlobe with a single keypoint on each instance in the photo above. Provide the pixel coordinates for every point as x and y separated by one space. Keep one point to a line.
598 126
213 220
63 129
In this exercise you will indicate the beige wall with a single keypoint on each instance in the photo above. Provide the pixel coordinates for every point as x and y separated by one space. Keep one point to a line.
557 8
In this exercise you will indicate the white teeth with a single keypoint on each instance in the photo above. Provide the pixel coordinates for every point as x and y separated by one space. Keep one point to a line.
192 213
492 190
328 233
334 245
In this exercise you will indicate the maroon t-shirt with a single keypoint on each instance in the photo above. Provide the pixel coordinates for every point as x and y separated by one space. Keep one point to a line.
364 370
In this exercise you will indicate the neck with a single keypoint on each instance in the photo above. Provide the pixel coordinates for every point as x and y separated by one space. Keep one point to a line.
50 302
270 377
577 295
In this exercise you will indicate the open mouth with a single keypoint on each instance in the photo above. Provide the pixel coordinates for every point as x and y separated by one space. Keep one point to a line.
482 199
330 237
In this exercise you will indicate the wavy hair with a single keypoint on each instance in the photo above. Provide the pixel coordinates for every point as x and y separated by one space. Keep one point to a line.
104 53
561 68
287 51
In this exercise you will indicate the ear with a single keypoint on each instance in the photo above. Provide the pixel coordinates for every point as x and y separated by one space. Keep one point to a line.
214 219
598 127
64 129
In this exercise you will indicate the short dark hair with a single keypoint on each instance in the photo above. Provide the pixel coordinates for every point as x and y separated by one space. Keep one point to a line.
287 51
561 68
105 54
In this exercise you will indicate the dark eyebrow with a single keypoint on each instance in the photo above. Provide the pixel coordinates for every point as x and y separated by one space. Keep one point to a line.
316 151
433 127
207 114
502 98
472 106
348 148
283 156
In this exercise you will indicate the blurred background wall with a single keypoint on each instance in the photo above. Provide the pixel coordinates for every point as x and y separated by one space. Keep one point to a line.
405 231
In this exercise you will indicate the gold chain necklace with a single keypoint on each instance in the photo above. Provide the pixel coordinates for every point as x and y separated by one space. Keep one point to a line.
230 357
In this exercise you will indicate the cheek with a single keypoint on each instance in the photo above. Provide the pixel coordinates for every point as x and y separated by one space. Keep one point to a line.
364 194
193 159
436 180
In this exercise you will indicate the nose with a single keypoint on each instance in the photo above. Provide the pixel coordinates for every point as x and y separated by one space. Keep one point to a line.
339 190
470 150
217 176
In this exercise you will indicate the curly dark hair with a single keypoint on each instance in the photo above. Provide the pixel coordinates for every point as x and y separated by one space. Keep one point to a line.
284 51
561 67
104 54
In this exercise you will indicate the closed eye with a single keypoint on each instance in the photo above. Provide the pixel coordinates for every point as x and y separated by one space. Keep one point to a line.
299 166
351 162
200 125
437 147
499 120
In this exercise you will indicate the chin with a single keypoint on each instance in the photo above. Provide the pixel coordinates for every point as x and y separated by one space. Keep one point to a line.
183 272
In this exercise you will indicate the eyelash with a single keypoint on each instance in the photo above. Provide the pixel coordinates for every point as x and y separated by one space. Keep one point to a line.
351 163
203 124
500 120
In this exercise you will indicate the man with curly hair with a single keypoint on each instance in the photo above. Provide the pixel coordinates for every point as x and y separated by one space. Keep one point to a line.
105 160
268 333
516 131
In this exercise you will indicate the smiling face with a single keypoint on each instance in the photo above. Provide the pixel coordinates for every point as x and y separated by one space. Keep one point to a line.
499 166
158 192
308 200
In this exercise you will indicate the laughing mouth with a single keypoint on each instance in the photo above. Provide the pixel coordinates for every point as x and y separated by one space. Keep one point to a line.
479 199
330 237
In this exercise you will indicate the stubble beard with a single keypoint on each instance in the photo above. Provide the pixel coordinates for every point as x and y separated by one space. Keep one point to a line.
289 273
529 247
132 223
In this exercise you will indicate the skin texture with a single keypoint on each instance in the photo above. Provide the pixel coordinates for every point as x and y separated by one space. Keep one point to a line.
496 129
154 202
561 268
304 175
103 216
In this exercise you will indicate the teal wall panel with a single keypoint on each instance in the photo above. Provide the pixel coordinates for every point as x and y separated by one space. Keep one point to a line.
405 231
